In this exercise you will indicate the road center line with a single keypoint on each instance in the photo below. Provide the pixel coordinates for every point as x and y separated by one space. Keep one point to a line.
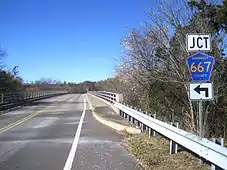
69 161
26 118
10 126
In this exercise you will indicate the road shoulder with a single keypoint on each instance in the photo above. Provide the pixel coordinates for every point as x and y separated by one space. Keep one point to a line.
150 152
107 116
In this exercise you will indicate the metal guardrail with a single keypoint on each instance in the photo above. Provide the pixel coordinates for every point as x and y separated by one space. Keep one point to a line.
9 100
203 147
109 96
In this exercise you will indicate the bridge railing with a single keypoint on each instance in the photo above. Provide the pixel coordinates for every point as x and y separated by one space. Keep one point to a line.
109 96
8 100
208 150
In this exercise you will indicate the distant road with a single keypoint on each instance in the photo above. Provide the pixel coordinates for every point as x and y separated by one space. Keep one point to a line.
60 133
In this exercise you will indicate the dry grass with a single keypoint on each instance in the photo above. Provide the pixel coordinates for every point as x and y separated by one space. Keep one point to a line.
153 153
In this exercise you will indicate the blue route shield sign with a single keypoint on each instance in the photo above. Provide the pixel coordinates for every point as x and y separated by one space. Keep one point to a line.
200 66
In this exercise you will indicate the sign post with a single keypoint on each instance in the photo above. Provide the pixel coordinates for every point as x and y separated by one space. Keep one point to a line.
201 128
200 66
201 92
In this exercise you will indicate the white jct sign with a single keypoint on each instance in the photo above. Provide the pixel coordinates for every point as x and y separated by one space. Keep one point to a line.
201 91
198 42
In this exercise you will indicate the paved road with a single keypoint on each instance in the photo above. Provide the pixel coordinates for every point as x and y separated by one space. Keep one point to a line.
60 133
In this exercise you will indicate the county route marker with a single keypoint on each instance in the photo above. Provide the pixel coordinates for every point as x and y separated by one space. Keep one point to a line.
200 67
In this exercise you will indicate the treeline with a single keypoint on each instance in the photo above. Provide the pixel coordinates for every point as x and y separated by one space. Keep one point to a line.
10 81
153 75
108 84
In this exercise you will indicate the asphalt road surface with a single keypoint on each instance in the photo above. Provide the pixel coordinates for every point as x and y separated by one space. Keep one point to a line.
60 133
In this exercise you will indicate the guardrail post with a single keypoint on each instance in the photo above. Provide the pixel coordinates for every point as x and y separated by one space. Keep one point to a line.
144 127
150 131
24 97
141 124
173 145
13 98
2 98
133 120
138 123
129 118
154 116
147 128
218 142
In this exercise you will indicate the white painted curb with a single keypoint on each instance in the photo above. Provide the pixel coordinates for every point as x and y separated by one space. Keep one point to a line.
113 125
108 103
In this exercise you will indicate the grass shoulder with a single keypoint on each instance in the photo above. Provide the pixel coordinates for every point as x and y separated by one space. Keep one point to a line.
153 154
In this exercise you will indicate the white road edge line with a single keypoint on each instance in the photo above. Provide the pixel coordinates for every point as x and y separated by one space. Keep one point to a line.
69 161
89 102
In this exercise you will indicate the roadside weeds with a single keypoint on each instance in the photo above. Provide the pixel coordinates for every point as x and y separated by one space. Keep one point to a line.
153 153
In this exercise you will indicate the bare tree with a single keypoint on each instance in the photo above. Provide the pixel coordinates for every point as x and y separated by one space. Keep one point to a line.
154 61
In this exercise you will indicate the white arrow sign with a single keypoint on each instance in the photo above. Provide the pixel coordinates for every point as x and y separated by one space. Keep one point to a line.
201 91
198 42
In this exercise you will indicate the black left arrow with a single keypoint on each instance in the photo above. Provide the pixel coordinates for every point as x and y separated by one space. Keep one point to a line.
198 90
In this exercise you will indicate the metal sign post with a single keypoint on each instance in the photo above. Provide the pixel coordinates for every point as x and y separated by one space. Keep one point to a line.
201 92
200 66
201 128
